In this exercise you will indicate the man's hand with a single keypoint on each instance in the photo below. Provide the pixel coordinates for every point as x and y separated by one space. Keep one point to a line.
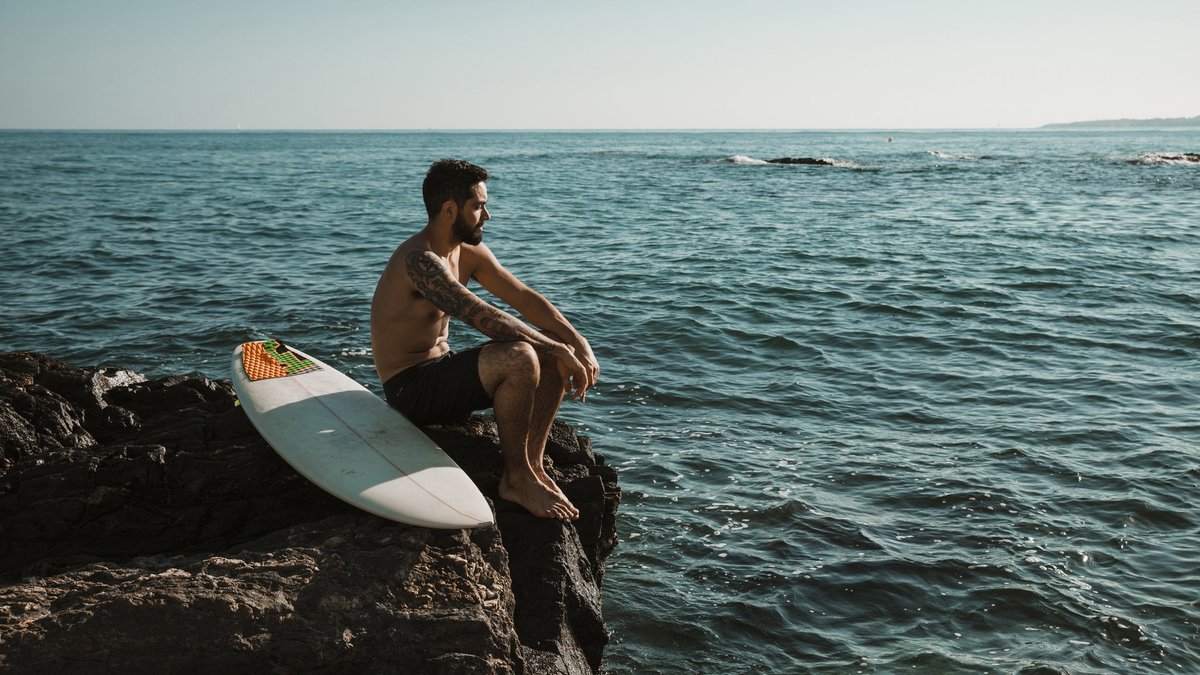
583 352
575 376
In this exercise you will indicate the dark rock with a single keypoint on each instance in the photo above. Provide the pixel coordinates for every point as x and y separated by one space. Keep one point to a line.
146 526
556 568
559 608
350 593
1167 158
800 160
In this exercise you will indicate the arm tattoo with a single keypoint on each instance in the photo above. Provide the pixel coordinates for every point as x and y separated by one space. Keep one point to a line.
500 330
433 280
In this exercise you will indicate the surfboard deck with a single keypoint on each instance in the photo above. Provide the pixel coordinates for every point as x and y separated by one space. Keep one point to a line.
349 442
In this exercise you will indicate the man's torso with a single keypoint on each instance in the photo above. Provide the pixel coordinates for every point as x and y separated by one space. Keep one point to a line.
406 329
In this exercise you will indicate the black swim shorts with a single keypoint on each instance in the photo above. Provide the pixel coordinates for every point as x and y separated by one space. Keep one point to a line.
439 391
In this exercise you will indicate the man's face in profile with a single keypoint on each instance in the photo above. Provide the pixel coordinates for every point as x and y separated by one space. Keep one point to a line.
468 225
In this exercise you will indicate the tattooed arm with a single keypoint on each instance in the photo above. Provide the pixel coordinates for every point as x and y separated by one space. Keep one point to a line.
435 281
437 284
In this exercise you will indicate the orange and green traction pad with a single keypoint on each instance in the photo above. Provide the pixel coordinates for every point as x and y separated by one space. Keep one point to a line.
265 359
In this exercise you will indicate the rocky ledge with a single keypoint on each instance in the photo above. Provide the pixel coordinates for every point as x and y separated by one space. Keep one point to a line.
145 526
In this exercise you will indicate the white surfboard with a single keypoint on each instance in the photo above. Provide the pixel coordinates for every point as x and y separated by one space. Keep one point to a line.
351 444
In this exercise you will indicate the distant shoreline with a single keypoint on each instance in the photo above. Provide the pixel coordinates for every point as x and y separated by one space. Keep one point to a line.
1156 123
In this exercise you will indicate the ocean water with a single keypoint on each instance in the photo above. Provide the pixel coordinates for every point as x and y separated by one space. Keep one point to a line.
933 409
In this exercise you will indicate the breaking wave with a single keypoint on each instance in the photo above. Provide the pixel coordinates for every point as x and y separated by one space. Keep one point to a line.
950 155
743 159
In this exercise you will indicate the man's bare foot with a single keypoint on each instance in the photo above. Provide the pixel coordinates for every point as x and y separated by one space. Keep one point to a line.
545 479
538 499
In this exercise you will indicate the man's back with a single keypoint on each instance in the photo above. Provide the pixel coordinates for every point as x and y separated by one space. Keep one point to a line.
406 328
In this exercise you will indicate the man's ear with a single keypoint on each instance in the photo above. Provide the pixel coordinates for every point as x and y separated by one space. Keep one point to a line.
450 209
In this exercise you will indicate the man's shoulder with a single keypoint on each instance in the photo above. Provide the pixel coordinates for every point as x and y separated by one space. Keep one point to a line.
478 254
407 249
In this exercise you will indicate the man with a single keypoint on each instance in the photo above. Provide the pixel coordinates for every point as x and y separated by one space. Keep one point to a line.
522 373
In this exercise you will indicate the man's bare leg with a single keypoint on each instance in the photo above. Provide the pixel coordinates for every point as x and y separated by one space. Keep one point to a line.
547 399
510 372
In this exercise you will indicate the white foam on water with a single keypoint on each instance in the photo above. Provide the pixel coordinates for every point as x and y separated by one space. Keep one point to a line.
949 155
843 163
743 159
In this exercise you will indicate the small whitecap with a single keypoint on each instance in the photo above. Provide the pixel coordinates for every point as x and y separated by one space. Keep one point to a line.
743 159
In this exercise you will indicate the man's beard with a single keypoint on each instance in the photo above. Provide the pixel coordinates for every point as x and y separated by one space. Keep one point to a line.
465 233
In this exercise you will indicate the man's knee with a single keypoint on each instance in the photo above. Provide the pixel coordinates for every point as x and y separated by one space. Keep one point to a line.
514 358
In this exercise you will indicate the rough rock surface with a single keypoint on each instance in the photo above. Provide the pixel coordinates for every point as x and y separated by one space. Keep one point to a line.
146 527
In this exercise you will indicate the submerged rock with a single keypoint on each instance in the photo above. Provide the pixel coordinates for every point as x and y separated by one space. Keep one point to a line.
800 160
146 526
1167 158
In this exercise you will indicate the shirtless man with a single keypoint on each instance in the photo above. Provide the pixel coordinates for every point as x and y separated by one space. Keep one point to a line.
522 373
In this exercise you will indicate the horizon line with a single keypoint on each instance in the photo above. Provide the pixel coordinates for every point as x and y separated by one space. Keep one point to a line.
234 130
1053 126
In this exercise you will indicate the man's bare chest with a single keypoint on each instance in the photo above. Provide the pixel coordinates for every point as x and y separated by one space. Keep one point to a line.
459 267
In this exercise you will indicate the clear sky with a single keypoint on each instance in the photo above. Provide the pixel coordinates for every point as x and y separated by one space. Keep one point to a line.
461 64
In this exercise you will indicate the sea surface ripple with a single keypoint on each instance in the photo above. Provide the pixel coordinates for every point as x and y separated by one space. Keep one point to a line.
934 408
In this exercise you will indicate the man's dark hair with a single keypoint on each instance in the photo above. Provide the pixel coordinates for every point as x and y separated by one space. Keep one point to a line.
450 179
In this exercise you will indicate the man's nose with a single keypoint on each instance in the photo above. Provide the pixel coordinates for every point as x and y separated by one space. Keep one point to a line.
487 215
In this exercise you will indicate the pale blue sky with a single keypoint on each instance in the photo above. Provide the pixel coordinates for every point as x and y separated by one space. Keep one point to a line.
454 64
